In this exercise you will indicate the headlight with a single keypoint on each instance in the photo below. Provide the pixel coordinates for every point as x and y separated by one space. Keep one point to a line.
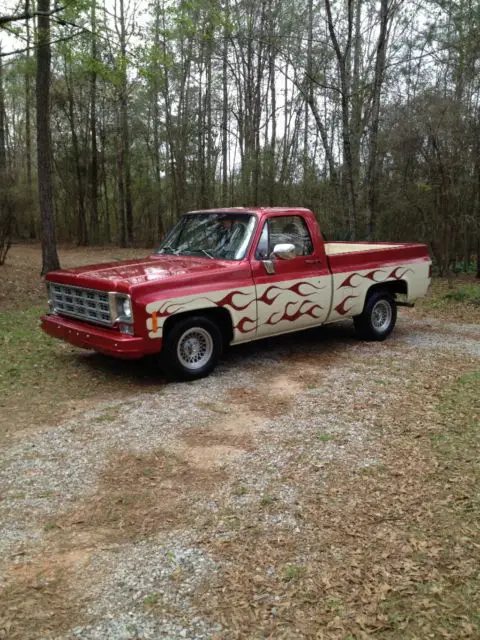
127 308
124 308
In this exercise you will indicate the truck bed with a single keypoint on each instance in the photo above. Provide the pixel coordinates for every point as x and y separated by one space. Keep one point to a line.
344 256
335 248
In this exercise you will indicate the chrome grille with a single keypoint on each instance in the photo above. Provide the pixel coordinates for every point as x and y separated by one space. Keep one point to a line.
77 302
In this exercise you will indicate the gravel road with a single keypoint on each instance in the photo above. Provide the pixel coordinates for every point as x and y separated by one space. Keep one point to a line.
200 456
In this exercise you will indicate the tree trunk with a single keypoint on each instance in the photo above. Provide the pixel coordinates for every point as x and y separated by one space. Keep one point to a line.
3 151
82 236
156 133
210 173
273 138
225 109
344 67
6 204
94 218
308 90
50 260
121 219
372 169
357 96
28 127
124 128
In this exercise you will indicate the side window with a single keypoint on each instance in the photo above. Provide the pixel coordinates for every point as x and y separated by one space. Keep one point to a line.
291 230
262 251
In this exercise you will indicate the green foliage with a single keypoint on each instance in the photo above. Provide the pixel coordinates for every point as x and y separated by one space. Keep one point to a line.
466 293
173 69
151 600
325 437
27 353
293 572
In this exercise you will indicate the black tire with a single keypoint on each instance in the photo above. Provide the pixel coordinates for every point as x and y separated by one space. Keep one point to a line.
203 334
369 325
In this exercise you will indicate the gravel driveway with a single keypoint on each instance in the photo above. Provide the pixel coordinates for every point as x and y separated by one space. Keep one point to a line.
114 524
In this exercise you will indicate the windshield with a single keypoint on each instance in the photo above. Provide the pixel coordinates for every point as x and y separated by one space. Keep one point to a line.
220 235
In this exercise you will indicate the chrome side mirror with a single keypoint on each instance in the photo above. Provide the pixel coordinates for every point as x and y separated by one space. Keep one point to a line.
285 251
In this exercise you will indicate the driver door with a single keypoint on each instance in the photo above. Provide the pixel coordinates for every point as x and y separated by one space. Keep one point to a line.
291 293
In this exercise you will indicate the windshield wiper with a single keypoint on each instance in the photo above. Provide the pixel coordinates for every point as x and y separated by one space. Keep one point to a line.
169 249
209 255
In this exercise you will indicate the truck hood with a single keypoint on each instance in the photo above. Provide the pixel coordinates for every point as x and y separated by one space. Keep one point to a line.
122 276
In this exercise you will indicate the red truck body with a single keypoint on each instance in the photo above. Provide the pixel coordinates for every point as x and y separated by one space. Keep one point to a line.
259 295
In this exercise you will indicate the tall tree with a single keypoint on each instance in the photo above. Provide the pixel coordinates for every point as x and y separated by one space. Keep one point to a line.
28 123
94 217
50 260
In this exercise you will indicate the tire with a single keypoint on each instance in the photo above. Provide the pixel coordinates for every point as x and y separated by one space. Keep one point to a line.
378 318
191 349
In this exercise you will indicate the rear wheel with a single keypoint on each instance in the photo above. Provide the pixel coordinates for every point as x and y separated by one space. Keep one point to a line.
378 318
191 349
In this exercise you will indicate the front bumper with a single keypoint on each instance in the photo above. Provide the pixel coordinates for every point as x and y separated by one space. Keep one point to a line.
107 341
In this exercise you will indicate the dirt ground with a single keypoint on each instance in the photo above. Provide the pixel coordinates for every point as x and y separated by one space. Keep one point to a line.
314 487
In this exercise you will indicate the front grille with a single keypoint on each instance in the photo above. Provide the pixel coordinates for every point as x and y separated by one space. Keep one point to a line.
77 302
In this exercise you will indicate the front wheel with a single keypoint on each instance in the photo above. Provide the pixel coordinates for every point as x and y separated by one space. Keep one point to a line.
192 348
378 318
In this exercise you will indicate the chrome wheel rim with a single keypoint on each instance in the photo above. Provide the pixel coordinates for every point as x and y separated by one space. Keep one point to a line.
195 348
382 315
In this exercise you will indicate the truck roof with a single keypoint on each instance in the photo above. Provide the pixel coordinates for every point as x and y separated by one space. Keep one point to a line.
256 210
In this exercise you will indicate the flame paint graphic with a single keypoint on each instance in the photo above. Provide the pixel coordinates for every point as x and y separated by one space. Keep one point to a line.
340 308
227 301
396 276
370 276
240 326
296 288
291 317
293 310
264 297
167 309
348 281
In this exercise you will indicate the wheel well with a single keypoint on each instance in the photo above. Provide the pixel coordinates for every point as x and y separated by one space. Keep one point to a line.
394 287
220 316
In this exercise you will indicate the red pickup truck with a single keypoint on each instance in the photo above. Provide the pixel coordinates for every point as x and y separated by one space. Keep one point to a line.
228 276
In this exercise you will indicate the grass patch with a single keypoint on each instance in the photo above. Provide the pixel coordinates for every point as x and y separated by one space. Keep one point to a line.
27 352
151 600
240 491
110 414
293 572
447 603
40 375
373 469
458 445
326 437
456 299
467 293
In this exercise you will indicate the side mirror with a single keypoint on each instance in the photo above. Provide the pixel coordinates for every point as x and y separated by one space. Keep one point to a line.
285 251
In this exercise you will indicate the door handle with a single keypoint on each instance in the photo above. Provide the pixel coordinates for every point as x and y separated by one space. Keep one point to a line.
313 261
